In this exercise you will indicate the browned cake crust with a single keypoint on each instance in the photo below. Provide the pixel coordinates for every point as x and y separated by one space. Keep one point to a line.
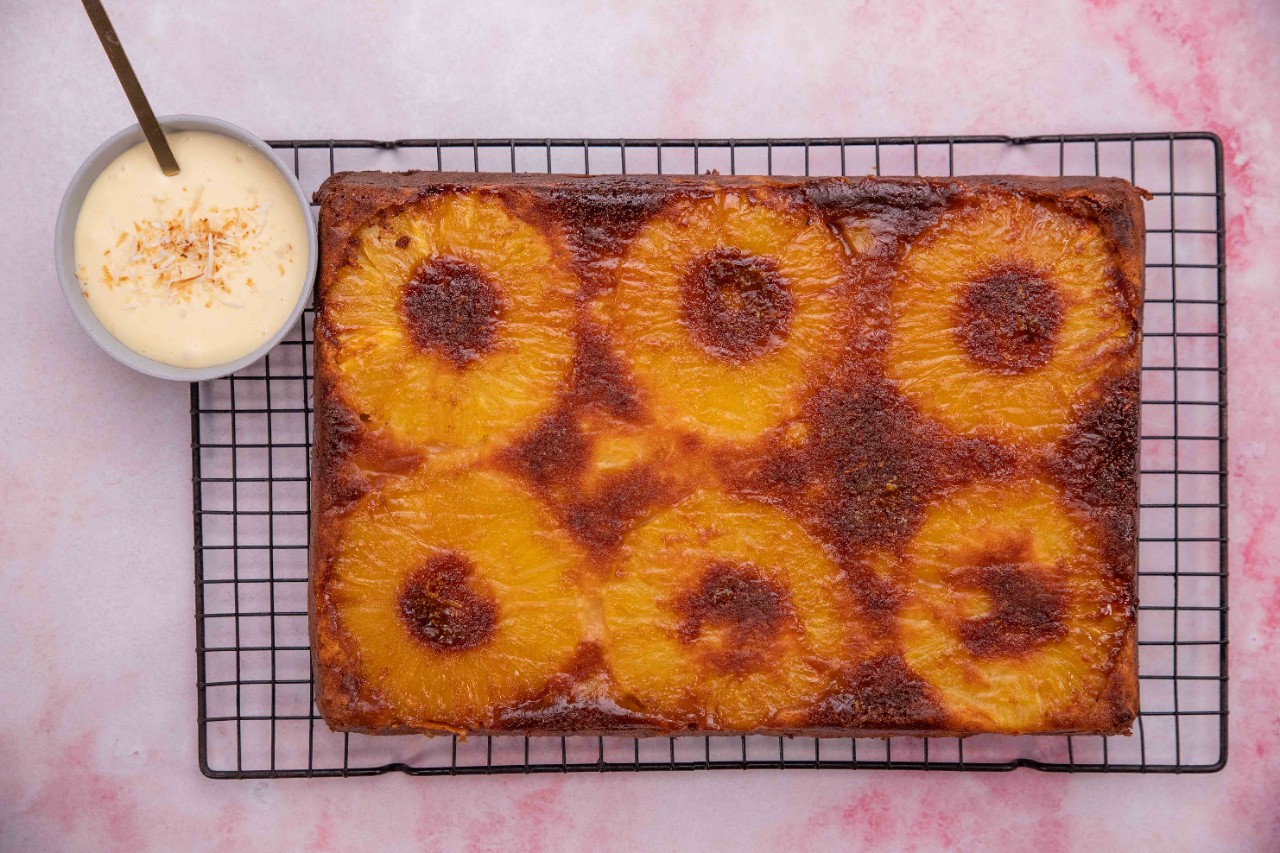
879 474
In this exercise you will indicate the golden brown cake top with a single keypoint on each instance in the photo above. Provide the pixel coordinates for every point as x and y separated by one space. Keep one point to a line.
785 454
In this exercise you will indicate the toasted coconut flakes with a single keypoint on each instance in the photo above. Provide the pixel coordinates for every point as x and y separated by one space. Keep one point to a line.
190 256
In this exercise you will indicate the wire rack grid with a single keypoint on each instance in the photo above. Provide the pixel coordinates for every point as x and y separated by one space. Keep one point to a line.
251 437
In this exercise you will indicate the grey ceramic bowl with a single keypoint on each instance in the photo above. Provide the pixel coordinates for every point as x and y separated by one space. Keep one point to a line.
64 248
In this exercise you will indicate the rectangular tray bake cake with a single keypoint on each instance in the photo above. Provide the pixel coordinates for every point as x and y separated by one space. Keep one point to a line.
664 455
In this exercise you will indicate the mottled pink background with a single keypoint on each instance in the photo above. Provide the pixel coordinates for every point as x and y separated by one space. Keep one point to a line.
97 699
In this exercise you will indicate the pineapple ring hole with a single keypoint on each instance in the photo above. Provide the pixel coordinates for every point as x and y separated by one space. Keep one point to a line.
735 305
1008 319
441 607
451 308
1024 609
733 615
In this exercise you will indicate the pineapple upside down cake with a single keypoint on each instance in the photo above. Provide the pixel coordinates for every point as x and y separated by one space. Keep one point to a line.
664 455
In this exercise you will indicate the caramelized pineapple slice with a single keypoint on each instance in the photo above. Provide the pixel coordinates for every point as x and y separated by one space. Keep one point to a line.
1006 315
458 594
454 322
724 307
724 614
1009 611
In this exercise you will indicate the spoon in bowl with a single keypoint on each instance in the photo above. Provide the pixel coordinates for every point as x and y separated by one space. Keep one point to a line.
132 88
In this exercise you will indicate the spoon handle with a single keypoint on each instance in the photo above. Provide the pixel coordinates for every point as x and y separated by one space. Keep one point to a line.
132 88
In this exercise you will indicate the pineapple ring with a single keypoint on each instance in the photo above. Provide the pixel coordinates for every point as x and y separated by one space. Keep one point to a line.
1009 612
1010 301
728 606
457 318
458 594
723 307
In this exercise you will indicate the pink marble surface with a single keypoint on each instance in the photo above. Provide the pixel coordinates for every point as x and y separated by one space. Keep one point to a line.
97 699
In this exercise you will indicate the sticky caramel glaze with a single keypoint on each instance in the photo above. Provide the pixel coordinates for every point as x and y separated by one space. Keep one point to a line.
451 307
866 464
879 694
441 607
351 459
596 225
849 473
1026 610
600 379
736 599
735 305
599 519
1008 319
556 455
553 453
1097 465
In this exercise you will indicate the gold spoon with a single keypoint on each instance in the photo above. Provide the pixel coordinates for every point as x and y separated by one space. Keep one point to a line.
132 88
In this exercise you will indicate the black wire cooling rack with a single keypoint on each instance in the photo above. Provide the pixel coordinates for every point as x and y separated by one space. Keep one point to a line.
251 437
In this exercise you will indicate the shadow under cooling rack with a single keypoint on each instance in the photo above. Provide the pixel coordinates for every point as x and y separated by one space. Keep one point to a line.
251 436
